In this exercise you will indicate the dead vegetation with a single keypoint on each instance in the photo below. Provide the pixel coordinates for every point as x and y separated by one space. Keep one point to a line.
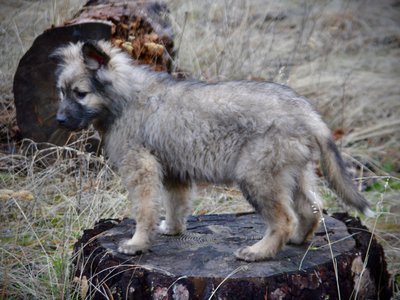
343 55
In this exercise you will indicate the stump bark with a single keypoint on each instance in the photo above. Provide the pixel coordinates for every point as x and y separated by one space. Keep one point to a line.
138 27
200 263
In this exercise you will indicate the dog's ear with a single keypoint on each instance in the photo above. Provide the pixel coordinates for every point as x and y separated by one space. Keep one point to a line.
94 57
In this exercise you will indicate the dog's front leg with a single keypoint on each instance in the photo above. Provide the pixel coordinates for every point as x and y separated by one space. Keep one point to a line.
142 175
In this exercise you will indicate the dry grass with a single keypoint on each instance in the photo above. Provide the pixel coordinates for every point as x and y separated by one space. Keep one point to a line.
343 55
52 195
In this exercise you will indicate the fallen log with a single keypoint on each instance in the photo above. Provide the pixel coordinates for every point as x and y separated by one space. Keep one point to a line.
200 263
139 27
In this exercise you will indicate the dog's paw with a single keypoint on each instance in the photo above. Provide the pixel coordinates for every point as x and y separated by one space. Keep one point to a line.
167 229
248 254
297 240
131 248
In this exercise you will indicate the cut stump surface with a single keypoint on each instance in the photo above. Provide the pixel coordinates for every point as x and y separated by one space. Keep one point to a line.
200 263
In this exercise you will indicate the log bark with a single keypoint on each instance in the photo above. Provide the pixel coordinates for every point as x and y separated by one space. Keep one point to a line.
138 27
200 263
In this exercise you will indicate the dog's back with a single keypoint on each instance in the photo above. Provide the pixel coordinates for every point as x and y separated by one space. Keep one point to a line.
199 130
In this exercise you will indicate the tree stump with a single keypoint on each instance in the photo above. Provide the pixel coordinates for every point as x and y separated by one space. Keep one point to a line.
138 27
200 263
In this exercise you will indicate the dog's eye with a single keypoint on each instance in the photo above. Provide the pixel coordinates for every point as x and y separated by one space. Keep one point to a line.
80 94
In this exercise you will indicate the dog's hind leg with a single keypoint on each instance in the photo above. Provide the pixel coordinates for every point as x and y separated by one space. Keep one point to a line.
307 205
142 175
272 198
176 207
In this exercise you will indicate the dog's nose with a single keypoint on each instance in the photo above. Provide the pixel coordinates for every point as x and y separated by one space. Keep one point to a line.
61 119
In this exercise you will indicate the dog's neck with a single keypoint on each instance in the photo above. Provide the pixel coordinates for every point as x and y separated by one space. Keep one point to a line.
103 125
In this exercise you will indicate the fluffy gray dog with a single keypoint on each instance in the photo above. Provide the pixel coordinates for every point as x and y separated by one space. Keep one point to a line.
163 134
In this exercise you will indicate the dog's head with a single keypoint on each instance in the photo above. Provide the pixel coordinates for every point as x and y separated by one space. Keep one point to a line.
83 84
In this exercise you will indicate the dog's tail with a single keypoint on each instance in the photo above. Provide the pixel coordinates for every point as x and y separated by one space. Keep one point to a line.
338 178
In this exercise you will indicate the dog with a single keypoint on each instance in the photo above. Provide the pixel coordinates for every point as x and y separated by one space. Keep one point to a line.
163 135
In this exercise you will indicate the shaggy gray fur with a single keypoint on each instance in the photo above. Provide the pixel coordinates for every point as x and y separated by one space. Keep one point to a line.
163 134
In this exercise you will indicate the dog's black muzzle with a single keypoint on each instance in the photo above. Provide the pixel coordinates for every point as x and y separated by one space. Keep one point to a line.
72 115
61 119
69 123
